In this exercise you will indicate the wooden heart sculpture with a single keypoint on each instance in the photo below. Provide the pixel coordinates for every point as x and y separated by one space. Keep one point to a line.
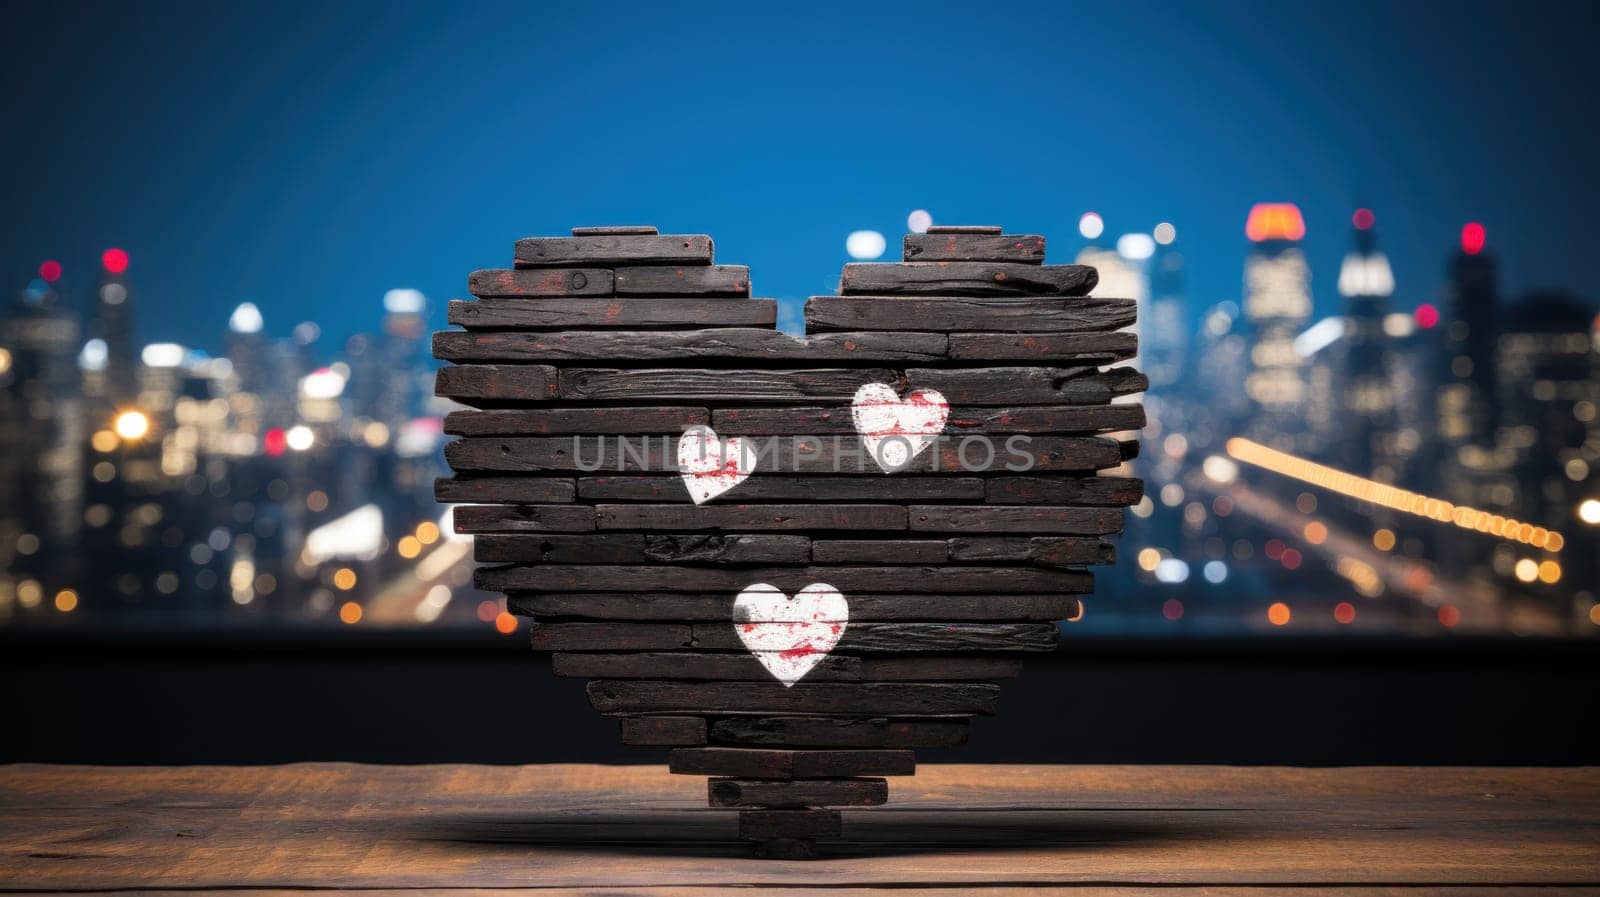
793 560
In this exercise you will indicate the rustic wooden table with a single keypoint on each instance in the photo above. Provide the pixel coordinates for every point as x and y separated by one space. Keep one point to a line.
555 830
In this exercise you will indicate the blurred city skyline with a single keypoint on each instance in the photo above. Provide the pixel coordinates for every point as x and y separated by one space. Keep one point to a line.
247 157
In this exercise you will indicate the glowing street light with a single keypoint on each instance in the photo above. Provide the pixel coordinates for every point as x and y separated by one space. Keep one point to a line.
300 437
131 425
1589 512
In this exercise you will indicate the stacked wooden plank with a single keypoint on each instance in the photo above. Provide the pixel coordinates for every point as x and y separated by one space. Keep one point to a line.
954 566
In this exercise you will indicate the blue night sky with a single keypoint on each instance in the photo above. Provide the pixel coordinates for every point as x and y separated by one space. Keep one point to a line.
310 156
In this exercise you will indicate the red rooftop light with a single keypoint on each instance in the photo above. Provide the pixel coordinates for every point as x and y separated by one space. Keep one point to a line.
1427 316
1473 236
1363 219
114 260
50 271
1274 221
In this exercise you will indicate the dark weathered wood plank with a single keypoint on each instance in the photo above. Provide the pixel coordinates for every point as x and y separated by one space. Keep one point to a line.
765 825
616 231
628 548
663 731
802 793
521 490
879 551
726 667
606 250
761 548
611 637
1107 491
507 283
944 579
939 668
947 247
1080 348
814 731
911 638
784 455
939 229
621 313
787 488
684 280
611 548
957 313
515 383
734 343
1046 419
1061 551
1025 385
966 279
1029 519
768 763
558 421
963 420
675 384
752 517
523 518
718 607
833 698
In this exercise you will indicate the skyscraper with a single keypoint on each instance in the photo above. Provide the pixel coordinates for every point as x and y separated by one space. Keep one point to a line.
1277 304
1468 405
1365 397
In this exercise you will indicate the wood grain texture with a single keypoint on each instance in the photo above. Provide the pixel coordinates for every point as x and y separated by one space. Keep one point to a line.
784 455
1000 831
751 517
621 313
762 825
610 548
963 420
1063 551
833 698
1027 385
958 313
1081 348
723 386
966 279
819 731
680 665
1110 491
858 638
942 579
605 250
519 490
759 793
733 343
714 607
523 518
880 551
511 283
493 382
561 421
767 763
616 230
790 488
670 731
684 280
1024 248
1032 519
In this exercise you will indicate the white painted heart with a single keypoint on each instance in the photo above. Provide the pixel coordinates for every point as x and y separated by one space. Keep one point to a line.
711 466
895 430
790 636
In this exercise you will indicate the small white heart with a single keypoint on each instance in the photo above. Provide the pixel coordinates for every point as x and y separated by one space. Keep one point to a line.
895 430
711 466
790 636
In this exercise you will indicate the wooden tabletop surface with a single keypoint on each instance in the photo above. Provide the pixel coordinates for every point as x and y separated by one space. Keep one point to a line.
553 830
